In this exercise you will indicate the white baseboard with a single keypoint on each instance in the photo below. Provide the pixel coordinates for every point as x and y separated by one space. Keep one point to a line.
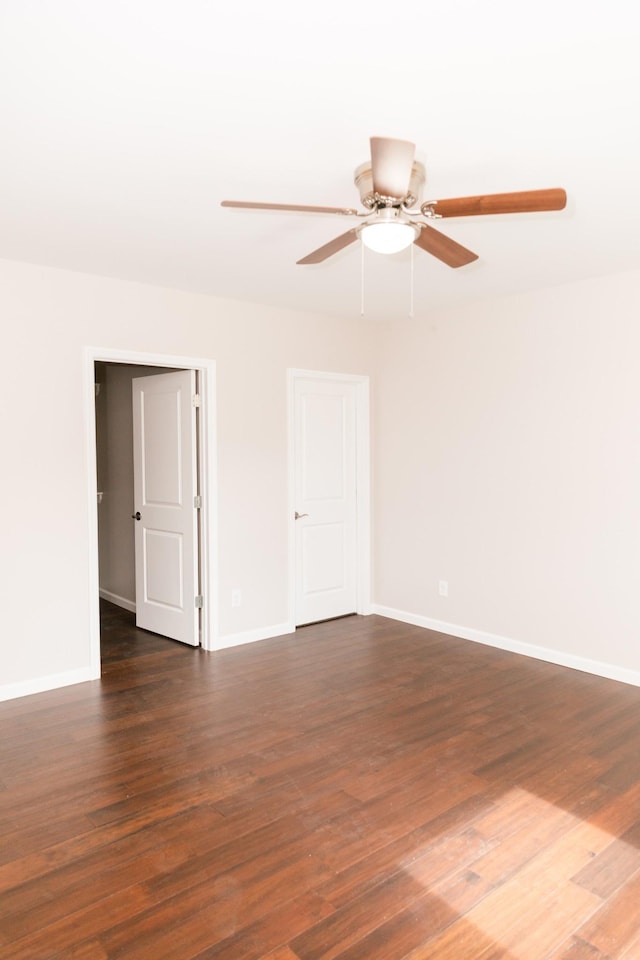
118 601
12 691
608 670
250 636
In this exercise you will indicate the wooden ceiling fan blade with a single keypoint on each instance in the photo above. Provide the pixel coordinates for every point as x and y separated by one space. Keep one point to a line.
391 165
326 251
443 247
290 207
524 201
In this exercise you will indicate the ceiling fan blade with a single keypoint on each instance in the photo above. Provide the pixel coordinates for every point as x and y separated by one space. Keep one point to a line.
291 207
323 253
444 248
391 164
526 201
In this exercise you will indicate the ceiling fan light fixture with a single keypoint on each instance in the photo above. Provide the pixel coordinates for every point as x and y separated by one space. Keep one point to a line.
391 237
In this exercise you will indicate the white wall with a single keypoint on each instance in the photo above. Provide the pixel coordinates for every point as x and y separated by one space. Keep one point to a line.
508 463
48 317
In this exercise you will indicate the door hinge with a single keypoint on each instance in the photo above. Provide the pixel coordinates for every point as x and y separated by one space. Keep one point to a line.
197 502
196 400
199 601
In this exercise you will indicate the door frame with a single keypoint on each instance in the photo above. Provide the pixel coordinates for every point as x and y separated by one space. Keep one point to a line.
207 476
363 485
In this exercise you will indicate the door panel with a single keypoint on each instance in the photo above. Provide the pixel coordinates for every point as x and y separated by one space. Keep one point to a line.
162 451
165 484
325 493
163 566
323 548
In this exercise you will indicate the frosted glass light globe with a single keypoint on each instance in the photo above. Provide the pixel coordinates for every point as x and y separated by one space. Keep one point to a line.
388 237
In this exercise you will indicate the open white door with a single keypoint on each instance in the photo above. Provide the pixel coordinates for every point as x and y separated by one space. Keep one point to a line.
325 498
165 515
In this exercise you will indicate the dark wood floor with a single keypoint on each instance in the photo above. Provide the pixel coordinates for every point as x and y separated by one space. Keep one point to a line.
361 790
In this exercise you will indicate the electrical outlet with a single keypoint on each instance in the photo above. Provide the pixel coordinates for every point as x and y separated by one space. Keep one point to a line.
236 598
443 588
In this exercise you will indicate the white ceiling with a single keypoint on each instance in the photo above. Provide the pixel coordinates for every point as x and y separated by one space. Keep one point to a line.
125 123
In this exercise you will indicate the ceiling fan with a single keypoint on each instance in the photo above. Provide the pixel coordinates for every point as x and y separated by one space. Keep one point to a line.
390 186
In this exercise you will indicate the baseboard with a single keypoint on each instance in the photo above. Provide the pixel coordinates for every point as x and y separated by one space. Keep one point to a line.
607 670
250 636
118 601
11 691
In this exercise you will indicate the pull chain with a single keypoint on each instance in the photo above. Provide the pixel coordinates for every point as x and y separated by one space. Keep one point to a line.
411 314
361 279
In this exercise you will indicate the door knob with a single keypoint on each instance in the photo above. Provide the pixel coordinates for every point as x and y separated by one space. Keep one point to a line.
299 516
136 516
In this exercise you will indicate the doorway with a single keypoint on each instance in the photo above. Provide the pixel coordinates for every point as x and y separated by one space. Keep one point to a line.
129 365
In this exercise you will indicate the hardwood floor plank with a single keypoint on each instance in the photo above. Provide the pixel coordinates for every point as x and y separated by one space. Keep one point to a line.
266 935
358 790
419 922
135 834
216 894
86 880
392 936
577 949
60 938
282 953
615 927
613 866
513 921
354 922
425 841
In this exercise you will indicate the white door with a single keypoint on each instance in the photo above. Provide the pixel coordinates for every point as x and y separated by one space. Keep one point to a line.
165 516
325 498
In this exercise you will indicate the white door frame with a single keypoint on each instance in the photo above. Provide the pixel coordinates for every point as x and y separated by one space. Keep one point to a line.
206 370
363 485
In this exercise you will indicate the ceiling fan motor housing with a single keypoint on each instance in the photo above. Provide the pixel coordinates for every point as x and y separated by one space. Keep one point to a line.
363 179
